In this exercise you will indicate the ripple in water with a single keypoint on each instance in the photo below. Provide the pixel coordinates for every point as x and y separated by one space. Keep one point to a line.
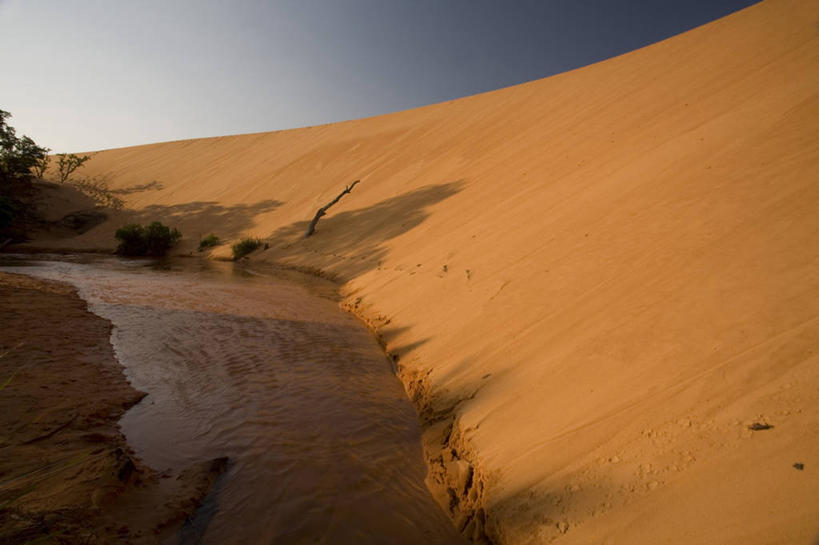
323 445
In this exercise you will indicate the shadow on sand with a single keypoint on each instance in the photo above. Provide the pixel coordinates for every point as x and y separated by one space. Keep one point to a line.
228 221
154 185
350 243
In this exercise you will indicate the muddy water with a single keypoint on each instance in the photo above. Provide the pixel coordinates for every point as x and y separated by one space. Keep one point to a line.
323 445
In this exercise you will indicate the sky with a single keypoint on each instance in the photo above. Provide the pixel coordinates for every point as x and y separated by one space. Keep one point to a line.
84 75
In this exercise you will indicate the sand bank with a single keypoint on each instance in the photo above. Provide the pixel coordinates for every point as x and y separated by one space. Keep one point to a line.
66 474
324 446
592 284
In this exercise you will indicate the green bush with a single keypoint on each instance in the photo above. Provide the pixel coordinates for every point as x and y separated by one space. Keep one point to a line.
131 239
245 246
154 239
208 242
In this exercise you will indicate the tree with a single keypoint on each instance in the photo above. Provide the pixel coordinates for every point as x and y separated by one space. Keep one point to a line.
41 165
18 156
67 163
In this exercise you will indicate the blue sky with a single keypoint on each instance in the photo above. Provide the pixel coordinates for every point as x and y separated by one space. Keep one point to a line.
82 75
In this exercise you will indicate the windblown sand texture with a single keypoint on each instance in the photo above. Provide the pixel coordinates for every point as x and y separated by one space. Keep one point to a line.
593 284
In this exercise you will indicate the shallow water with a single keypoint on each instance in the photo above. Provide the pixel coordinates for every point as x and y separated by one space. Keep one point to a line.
324 446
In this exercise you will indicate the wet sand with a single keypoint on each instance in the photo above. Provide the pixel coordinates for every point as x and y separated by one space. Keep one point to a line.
323 445
66 472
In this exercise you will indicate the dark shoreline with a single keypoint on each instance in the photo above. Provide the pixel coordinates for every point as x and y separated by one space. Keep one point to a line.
453 478
67 474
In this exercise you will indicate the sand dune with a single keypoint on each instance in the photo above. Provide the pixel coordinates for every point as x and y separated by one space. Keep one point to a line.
599 280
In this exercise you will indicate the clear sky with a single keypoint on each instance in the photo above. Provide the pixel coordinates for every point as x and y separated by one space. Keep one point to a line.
81 75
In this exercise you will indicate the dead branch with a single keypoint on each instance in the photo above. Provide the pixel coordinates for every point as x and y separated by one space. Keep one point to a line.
323 210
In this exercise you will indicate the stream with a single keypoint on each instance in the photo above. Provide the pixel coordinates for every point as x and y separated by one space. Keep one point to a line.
324 446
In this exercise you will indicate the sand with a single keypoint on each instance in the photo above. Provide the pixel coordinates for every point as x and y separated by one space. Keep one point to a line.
66 473
592 284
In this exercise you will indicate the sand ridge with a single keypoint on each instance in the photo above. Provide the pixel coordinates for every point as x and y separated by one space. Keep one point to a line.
591 284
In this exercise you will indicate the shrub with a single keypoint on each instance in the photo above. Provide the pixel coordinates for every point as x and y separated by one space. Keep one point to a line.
160 238
208 242
67 163
154 239
131 239
245 246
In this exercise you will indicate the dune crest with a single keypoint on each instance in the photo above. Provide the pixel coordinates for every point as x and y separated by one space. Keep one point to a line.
593 285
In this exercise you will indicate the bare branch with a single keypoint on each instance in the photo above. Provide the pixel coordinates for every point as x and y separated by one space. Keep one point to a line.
323 210
67 163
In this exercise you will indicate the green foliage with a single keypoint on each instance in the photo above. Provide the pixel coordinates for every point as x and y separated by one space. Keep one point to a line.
154 239
131 239
41 165
67 163
208 242
18 156
160 238
245 246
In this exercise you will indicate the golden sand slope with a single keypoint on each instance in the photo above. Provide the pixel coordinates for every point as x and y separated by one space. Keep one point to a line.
604 277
